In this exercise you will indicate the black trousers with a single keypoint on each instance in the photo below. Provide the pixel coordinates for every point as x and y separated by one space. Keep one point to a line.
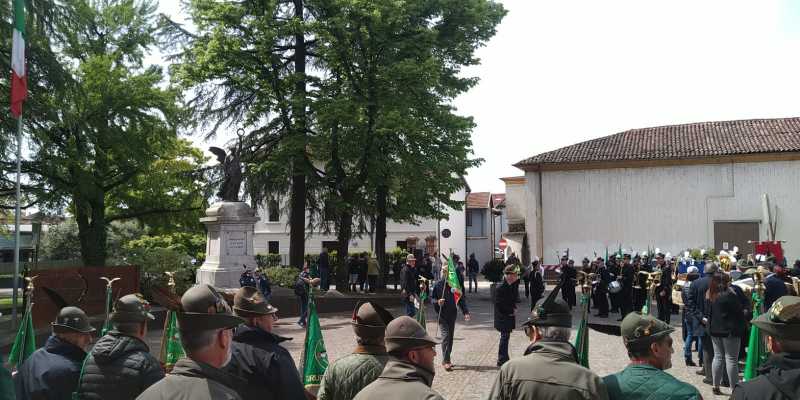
625 302
448 328
664 308
602 303
502 351
568 294
614 297
527 287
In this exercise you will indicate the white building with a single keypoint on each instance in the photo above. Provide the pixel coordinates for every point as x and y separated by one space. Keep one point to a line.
272 233
712 184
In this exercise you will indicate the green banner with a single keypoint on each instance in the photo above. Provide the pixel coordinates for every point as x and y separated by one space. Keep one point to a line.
315 358
25 342
171 348
756 349
582 336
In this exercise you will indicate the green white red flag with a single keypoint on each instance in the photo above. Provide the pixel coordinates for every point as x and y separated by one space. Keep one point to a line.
19 77
452 280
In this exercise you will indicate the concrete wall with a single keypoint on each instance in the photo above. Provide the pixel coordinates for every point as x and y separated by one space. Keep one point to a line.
669 207
481 248
480 226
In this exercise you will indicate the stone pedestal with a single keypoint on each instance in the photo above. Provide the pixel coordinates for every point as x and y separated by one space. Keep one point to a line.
229 244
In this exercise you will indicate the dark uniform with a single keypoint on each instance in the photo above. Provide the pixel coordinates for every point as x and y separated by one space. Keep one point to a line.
601 291
549 370
258 358
120 366
626 294
409 286
614 270
505 304
641 381
569 276
447 315
52 372
537 283
779 377
664 291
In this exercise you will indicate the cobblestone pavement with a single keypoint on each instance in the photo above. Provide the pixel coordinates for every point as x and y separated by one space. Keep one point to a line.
475 348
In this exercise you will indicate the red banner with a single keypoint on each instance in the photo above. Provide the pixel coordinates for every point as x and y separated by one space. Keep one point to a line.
770 248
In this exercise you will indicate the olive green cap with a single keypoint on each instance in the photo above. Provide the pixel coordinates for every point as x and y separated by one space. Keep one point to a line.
782 320
551 311
131 308
204 308
370 320
72 319
643 329
250 303
405 333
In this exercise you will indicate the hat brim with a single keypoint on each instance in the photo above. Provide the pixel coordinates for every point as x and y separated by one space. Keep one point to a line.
58 328
203 322
776 329
562 320
400 344
651 338
254 313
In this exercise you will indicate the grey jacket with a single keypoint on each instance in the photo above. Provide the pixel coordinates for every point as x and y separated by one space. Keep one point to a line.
401 381
548 371
192 380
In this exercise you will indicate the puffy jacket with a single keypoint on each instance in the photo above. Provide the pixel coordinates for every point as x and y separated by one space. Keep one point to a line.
549 371
505 303
641 382
726 315
401 381
50 373
267 368
778 379
119 367
348 375
194 380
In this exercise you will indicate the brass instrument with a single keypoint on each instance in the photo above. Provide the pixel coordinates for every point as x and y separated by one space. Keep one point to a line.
758 286
585 281
796 285
653 280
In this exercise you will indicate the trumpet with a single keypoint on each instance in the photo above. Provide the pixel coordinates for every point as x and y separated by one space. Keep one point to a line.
653 280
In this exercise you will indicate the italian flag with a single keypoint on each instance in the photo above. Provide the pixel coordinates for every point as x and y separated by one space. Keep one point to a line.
19 80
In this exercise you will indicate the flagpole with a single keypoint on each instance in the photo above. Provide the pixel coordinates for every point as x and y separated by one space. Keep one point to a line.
16 226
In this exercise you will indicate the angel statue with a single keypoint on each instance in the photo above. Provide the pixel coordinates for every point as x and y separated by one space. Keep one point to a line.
232 168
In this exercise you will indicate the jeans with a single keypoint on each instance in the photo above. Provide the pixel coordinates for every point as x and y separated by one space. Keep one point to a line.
448 328
502 352
687 345
408 302
726 355
473 278
303 301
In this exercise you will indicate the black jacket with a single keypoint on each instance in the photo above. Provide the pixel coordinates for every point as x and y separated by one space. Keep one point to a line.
267 366
448 311
324 260
696 306
505 303
726 315
408 280
50 373
779 379
119 367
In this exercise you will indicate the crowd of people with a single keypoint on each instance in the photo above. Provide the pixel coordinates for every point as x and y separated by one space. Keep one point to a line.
233 352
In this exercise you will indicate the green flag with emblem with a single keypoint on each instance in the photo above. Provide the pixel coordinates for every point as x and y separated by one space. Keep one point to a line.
582 336
756 349
315 358
171 347
25 341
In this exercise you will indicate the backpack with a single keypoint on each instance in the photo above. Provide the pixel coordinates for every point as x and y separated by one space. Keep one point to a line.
299 287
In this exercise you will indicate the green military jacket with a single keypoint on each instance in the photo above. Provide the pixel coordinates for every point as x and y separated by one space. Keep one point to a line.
401 381
193 380
348 375
645 382
548 371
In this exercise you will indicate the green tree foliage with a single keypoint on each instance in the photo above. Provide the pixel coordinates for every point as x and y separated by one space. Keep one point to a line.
103 136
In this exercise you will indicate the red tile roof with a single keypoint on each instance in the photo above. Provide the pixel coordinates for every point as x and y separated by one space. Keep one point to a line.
687 141
498 198
478 200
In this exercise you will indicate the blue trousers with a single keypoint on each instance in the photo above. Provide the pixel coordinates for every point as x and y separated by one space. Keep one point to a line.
687 344
502 352
411 311
303 301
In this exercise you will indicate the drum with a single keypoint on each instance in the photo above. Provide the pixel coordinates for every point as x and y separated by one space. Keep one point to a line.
614 287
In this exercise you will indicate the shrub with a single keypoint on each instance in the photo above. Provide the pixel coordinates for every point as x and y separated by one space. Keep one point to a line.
268 260
154 262
284 276
493 270
191 244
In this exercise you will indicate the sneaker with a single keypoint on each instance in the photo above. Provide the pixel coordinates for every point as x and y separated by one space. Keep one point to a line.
690 363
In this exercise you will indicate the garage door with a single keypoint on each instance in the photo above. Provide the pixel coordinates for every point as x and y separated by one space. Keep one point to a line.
729 234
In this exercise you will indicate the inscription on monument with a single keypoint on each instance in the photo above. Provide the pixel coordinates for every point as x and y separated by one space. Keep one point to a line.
236 244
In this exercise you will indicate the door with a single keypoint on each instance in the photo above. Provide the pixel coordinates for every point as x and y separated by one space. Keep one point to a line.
729 234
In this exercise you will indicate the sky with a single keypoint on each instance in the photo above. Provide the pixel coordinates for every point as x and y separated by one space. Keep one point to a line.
562 72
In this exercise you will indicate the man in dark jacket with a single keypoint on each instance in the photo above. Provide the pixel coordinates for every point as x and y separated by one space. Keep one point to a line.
445 305
120 366
345 377
472 272
206 323
664 289
324 269
409 287
258 358
52 372
626 277
775 286
505 304
549 369
696 309
601 291
614 270
537 281
569 276
779 377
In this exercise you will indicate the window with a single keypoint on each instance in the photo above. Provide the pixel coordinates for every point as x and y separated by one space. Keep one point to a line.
330 245
401 244
469 217
273 211
273 247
